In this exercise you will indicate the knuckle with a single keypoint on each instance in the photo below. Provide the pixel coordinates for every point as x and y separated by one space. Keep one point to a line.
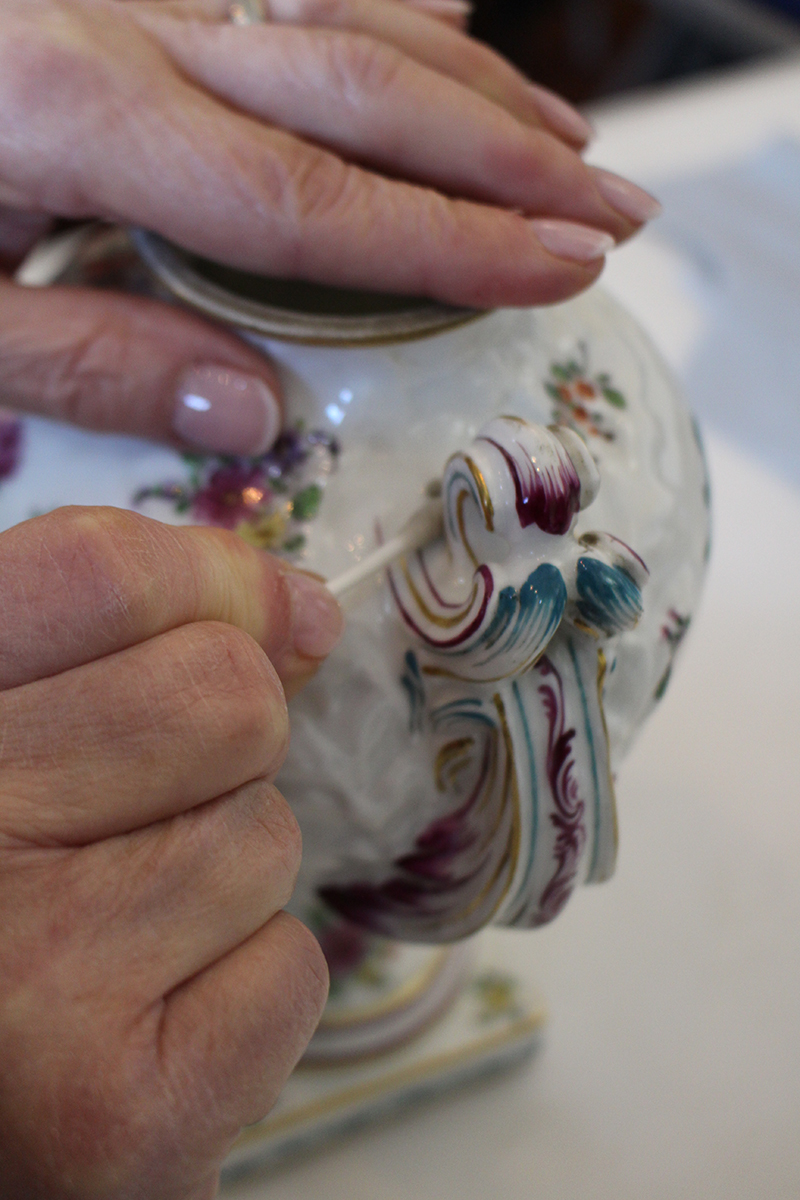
359 65
100 529
321 189
93 555
247 839
77 383
273 816
311 977
229 670
51 75
31 55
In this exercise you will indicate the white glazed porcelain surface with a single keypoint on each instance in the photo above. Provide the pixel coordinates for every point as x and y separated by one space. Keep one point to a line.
373 427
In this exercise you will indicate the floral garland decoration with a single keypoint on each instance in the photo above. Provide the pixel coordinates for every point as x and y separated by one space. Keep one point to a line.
268 500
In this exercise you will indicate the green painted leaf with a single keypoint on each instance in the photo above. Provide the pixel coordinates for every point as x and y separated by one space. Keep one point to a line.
614 397
661 686
306 503
293 544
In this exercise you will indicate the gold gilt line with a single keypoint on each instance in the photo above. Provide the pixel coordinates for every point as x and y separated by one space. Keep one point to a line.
517 669
445 756
462 496
512 850
476 901
435 618
400 997
487 508
370 1089
456 768
504 793
443 671
492 777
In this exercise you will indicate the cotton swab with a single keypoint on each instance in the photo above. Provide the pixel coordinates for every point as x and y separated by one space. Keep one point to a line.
424 526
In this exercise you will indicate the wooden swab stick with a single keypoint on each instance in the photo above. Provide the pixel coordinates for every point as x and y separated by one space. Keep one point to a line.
424 526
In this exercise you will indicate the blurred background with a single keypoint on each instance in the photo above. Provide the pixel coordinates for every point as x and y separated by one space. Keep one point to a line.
590 49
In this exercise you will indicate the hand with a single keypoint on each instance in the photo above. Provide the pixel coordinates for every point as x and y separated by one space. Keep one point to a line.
355 142
153 997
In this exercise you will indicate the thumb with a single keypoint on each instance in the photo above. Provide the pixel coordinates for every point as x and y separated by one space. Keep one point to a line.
127 364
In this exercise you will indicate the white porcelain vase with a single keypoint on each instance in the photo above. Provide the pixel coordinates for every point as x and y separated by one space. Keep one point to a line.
452 764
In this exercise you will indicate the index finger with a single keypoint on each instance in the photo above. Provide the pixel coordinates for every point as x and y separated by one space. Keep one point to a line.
447 49
222 184
81 583
424 37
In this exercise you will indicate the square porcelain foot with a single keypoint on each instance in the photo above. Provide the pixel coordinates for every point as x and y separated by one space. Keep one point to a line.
493 1023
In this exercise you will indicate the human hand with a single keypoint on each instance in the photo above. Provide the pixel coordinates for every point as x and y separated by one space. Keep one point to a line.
355 142
153 997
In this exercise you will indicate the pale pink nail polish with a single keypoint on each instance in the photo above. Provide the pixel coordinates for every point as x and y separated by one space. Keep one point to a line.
317 621
566 239
562 118
627 198
456 11
219 408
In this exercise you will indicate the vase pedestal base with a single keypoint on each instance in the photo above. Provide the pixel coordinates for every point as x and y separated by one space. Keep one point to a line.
492 1023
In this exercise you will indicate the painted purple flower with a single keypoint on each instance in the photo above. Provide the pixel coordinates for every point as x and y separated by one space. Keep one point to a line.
265 500
288 453
231 495
10 444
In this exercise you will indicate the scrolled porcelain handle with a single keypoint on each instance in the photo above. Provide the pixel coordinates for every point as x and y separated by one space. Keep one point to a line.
509 613
487 607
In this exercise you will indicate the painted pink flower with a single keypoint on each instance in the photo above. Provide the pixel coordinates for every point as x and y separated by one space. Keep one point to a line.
231 495
345 947
10 444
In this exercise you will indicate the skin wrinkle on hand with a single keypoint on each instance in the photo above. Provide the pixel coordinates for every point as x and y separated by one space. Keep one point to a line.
163 898
296 207
116 605
232 115
145 722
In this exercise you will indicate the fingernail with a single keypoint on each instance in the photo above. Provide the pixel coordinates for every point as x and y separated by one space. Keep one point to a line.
456 10
317 621
561 116
225 410
565 239
631 201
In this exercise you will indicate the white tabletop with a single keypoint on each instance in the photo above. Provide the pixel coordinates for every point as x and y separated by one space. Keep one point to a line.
671 1066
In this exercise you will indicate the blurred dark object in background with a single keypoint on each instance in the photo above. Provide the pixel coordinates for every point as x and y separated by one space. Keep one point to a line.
587 49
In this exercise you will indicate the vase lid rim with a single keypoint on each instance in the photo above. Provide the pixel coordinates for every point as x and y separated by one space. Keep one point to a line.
177 271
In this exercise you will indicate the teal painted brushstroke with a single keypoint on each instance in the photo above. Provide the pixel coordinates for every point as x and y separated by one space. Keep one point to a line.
590 740
609 600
